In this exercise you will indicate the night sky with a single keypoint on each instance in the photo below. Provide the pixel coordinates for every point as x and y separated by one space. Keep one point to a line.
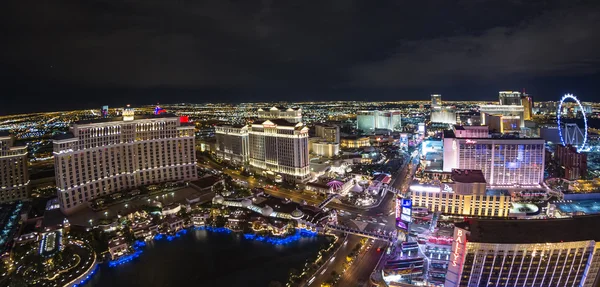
60 55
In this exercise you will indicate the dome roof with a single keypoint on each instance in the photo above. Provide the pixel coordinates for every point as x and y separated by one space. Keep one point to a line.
297 214
246 202
218 199
266 210
357 188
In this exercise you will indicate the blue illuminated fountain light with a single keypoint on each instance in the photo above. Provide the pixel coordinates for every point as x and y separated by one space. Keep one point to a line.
138 245
558 115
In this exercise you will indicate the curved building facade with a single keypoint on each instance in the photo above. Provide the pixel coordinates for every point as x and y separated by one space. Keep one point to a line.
101 157
559 252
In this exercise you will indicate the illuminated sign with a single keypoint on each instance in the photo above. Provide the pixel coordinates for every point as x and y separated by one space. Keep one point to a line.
184 119
406 210
471 142
398 207
405 217
447 188
401 225
459 246
425 188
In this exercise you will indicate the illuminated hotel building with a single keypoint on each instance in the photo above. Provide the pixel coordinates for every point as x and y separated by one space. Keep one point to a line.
503 161
445 115
515 253
369 121
14 176
232 143
512 111
355 142
461 192
527 103
436 100
501 123
510 98
291 115
105 156
280 147
329 133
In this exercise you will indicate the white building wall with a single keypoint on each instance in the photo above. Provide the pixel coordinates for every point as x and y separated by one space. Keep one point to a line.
114 156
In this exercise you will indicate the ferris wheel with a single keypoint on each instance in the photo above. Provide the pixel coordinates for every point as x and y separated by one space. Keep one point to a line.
572 134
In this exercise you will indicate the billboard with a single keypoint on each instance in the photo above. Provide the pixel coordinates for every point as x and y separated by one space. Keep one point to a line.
403 213
406 215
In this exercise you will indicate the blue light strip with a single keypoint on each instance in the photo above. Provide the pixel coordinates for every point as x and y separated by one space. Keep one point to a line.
562 140
87 278
138 245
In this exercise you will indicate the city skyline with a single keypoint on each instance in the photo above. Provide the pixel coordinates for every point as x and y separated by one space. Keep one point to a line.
198 52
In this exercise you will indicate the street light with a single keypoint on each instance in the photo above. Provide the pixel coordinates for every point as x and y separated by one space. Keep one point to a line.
106 213
91 222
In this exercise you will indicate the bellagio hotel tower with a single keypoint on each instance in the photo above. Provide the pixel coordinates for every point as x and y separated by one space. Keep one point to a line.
103 156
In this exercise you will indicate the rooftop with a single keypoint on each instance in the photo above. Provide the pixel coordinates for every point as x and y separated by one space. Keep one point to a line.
118 119
532 231
282 122
450 134
468 176
206 182
65 136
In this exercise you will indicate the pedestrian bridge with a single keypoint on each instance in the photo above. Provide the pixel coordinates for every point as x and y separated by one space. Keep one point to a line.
328 200
366 234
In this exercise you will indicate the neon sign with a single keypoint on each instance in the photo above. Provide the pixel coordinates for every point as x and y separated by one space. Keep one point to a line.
459 243
447 188
398 207
471 142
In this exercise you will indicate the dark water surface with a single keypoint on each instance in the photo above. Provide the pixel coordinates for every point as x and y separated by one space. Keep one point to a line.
204 258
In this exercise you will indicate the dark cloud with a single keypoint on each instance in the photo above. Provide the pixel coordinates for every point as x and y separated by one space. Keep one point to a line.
558 42
55 51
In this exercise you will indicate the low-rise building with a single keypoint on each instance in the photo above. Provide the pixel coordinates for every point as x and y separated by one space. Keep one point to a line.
354 142
174 224
463 193
117 247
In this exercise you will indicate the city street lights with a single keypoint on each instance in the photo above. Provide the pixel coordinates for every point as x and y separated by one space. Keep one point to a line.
91 222
106 214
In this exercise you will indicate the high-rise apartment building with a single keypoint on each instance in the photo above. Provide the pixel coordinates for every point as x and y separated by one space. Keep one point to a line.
233 143
292 115
503 161
105 156
554 252
369 121
436 100
281 147
14 174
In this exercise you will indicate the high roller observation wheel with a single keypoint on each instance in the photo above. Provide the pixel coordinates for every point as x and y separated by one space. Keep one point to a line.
558 115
